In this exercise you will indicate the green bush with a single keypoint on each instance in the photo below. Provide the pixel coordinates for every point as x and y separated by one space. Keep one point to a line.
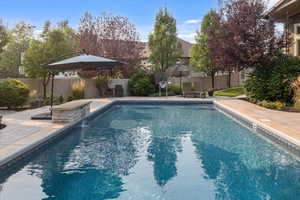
13 93
175 89
70 97
272 105
141 85
56 100
272 82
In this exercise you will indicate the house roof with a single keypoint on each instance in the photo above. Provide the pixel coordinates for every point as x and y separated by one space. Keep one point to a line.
284 9
186 47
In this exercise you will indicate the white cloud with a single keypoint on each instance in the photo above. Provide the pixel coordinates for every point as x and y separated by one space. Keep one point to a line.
193 21
145 31
37 33
190 37
186 30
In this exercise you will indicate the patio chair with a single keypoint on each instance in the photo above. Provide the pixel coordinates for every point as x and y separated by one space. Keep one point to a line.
119 92
203 92
189 92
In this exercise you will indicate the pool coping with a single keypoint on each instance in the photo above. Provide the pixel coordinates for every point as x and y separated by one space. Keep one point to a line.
275 136
280 138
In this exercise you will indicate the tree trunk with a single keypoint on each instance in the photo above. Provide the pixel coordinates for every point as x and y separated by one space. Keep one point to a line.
45 82
213 81
44 91
229 79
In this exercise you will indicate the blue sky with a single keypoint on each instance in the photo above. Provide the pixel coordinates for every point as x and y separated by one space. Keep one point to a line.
188 13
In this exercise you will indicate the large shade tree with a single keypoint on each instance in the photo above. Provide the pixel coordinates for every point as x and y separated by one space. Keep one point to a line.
11 57
52 45
202 56
110 36
249 38
163 42
4 38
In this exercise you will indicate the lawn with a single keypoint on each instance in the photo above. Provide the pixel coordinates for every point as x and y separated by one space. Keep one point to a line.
231 92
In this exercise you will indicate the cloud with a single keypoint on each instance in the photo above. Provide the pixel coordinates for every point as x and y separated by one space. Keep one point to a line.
186 30
144 31
190 37
193 21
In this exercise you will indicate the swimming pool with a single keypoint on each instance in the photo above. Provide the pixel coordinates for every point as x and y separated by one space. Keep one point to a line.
156 151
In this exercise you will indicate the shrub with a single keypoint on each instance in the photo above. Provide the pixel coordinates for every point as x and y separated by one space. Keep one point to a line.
272 105
175 89
70 97
141 85
78 90
56 100
296 88
272 82
13 93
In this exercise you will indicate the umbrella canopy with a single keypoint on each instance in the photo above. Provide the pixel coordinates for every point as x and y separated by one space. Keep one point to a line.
180 70
84 62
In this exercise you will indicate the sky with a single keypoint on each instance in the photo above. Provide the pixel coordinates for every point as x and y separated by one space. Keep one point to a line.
188 13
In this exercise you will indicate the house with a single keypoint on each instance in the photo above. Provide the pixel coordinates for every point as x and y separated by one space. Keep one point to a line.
184 59
288 12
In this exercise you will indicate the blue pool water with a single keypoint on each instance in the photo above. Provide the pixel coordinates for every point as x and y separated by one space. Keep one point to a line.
156 152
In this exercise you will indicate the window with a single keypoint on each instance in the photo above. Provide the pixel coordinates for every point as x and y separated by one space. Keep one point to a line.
298 48
298 30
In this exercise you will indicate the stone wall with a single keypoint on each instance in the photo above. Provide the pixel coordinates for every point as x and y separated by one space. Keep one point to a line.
67 116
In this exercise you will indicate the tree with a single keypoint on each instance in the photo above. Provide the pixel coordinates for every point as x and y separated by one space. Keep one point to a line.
3 36
52 45
201 55
250 39
11 57
163 42
110 36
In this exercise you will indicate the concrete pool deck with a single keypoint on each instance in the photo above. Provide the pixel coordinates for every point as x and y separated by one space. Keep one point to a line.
21 132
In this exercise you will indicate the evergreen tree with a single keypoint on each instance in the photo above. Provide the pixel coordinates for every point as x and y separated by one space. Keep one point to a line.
163 42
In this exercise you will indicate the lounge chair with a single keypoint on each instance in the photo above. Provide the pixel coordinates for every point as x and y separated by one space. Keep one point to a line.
189 92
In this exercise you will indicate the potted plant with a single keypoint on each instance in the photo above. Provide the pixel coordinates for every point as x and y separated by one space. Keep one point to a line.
211 92
1 125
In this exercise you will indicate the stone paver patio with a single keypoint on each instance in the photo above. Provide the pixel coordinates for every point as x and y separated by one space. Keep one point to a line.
21 130
287 122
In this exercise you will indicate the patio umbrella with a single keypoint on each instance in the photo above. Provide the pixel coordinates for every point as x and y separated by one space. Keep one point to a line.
180 71
82 62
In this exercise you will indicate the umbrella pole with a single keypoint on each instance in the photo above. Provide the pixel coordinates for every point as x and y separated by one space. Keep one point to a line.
180 83
52 86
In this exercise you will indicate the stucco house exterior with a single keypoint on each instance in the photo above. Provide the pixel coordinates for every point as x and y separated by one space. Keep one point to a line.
288 12
184 59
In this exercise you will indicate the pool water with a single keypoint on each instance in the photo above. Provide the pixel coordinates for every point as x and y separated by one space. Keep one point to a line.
156 152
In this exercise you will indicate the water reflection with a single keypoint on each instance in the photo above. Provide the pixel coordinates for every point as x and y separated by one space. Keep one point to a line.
83 184
234 180
162 152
